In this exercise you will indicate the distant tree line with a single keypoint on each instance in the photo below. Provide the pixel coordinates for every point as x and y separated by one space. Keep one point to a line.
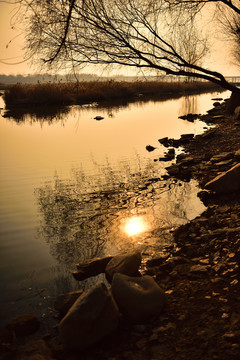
43 78
57 78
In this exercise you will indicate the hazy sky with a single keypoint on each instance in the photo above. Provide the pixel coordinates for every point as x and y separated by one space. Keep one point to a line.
11 49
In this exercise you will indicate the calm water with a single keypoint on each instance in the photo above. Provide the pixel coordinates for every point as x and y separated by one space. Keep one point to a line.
73 188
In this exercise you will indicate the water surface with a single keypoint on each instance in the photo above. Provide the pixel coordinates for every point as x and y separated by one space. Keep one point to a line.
72 188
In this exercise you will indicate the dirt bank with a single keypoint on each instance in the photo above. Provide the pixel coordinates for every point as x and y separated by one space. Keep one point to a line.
200 276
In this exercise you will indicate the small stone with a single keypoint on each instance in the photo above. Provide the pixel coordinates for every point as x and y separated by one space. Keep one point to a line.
173 170
156 261
199 269
204 261
221 157
153 337
223 299
24 325
237 154
228 336
225 316
150 148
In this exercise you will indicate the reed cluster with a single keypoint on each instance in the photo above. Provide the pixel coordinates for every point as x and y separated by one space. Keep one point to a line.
98 91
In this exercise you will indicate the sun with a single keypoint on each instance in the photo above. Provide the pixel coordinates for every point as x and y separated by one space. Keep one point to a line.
135 226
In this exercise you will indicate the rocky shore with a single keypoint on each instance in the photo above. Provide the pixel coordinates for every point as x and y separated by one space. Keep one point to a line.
199 274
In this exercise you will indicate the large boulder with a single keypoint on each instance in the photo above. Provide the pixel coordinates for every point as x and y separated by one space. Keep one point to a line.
228 181
64 301
127 264
93 316
138 298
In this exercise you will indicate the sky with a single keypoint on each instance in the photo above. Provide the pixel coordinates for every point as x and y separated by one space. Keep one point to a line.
12 54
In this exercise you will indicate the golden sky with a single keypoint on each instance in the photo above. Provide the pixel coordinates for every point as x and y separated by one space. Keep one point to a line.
12 55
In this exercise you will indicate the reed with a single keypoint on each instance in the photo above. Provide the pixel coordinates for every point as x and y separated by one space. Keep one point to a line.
98 91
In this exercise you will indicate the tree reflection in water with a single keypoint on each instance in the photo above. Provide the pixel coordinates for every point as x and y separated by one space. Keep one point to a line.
189 104
86 216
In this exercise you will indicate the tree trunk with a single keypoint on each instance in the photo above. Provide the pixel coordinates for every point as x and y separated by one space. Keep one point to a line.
233 102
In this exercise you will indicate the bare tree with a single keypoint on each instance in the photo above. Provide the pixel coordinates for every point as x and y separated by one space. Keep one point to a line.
145 34
230 22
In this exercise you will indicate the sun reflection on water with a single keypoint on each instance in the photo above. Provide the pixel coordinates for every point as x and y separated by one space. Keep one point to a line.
135 225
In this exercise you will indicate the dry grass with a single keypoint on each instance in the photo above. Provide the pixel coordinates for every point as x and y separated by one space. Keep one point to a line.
98 91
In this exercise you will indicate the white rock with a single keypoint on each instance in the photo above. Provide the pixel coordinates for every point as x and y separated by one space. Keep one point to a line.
93 316
138 298
127 264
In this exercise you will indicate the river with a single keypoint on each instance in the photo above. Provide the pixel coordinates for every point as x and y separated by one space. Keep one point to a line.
73 188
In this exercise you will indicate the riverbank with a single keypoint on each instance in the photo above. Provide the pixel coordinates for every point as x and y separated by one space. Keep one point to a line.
200 276
64 94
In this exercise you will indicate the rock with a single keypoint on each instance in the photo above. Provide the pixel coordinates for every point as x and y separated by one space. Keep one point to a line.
98 118
218 117
221 157
237 154
228 181
181 156
224 164
164 141
150 148
173 170
189 117
24 325
156 261
170 155
171 152
127 264
138 298
187 136
33 350
90 268
237 113
92 317
209 134
188 160
199 269
64 301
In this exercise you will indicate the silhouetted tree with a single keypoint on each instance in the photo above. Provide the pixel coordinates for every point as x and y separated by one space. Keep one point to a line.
145 34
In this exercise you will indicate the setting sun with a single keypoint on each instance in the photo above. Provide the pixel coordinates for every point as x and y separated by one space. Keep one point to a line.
135 225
